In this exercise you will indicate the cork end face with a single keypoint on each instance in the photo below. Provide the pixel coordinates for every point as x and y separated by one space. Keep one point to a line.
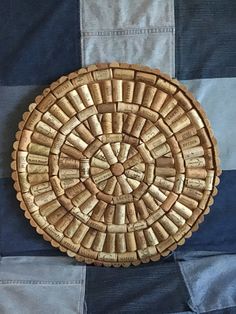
115 164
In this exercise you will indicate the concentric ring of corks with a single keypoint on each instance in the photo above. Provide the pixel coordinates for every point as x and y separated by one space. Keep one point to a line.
115 164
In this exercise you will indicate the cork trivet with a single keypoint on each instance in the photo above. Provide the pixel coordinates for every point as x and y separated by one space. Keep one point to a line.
115 164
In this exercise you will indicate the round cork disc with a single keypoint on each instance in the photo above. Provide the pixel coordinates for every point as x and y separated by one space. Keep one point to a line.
115 164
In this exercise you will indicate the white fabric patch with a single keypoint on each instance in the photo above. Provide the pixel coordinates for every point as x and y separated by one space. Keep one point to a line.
217 96
41 285
136 31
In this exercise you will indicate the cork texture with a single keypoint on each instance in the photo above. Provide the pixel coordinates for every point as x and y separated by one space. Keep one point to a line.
115 164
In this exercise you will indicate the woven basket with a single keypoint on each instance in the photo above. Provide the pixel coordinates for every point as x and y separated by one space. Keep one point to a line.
115 164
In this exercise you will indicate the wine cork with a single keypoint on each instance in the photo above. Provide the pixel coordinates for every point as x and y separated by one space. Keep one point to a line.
62 89
80 233
139 167
168 225
89 204
68 163
149 173
196 119
69 126
99 163
95 125
210 179
148 114
65 105
41 139
187 201
44 198
36 178
110 138
25 139
204 138
40 188
158 100
133 141
124 74
72 227
138 92
50 207
45 129
173 144
75 190
180 124
22 161
86 113
183 101
117 90
107 123
83 79
127 257
99 210
149 202
141 209
149 94
179 163
102 176
130 242
169 201
85 95
107 91
190 142
129 122
89 254
116 148
199 173
126 107
182 210
179 183
141 189
37 168
124 184
63 222
165 172
33 119
67 183
110 185
24 184
168 106
75 100
117 122
107 107
133 183
124 150
165 162
89 238
166 86
161 182
109 214
46 102
120 214
77 142
69 174
209 158
109 154
95 170
52 121
178 220
29 202
56 185
99 241
81 198
133 174
84 167
70 151
65 202
84 133
174 115
128 90
185 133
159 231
155 141
150 237
193 193
59 114
55 216
204 201
195 183
120 243
193 152
37 159
96 93
137 127
131 212
156 193
146 77
102 74
140 239
57 144
160 150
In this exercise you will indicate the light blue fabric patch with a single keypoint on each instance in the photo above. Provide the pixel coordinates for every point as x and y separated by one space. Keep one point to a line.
128 31
41 285
217 96
210 279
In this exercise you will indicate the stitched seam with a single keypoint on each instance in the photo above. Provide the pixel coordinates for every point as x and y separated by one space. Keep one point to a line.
125 32
81 296
81 31
172 39
36 282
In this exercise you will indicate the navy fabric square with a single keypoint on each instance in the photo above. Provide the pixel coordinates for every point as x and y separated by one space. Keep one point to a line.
205 39
151 288
39 41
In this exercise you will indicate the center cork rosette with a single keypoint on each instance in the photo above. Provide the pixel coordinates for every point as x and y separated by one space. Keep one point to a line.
115 164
